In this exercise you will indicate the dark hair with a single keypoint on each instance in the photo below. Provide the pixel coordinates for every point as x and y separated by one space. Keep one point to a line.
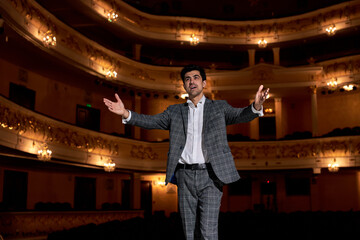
190 68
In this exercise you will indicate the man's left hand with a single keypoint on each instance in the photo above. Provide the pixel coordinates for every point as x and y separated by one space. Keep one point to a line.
260 97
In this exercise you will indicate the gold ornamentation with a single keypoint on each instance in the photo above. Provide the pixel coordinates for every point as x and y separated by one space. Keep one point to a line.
297 150
263 73
241 152
142 152
142 74
340 148
42 131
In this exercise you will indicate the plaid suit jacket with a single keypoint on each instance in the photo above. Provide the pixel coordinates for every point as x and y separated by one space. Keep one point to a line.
217 115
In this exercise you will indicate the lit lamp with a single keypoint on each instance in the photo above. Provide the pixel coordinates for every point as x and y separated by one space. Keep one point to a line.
111 74
333 167
160 182
332 83
349 87
49 39
44 154
330 31
194 40
112 16
269 110
262 43
184 95
109 166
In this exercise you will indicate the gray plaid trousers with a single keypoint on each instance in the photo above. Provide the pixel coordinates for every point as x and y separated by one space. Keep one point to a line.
199 203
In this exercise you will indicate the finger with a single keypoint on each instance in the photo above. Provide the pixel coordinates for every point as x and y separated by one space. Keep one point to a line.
260 88
267 92
117 97
107 102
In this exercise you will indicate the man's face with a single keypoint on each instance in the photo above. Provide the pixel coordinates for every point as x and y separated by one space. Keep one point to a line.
193 83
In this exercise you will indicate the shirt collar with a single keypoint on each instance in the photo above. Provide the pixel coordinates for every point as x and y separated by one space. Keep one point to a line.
201 102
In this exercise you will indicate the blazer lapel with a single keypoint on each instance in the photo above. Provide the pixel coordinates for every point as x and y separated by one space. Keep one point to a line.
207 113
184 113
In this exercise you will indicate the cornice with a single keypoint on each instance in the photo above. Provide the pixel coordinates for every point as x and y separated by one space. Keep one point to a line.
27 131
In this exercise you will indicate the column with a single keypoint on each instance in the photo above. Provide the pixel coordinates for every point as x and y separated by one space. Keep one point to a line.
276 52
314 112
251 57
278 118
137 51
254 126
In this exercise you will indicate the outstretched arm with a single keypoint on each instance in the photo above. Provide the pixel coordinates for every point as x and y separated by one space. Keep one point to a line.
260 97
117 107
158 121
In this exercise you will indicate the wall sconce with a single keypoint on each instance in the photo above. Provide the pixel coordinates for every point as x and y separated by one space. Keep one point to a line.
332 83
330 31
160 182
109 166
349 87
44 154
333 166
269 110
262 43
184 95
49 39
111 74
112 16
194 40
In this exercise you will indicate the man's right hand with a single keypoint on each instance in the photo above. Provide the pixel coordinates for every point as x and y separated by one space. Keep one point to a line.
117 107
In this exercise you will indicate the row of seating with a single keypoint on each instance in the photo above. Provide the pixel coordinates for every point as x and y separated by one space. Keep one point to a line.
232 225
57 206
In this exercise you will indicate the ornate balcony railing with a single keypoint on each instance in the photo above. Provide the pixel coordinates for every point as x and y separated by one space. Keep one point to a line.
169 28
26 130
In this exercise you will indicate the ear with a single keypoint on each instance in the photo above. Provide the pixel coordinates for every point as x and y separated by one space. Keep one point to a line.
204 83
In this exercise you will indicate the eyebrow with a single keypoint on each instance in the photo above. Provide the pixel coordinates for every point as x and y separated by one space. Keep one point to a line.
193 76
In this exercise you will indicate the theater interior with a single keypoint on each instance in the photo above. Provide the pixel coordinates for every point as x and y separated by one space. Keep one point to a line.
69 168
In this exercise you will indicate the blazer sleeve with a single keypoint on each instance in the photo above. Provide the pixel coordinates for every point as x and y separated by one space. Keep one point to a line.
158 121
238 115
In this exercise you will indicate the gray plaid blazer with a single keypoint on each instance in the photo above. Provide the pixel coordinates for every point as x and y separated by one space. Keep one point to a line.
217 115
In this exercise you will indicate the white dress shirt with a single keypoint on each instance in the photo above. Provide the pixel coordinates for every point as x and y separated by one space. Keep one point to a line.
193 147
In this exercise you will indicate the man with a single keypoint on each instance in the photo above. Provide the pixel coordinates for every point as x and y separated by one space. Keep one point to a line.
199 159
